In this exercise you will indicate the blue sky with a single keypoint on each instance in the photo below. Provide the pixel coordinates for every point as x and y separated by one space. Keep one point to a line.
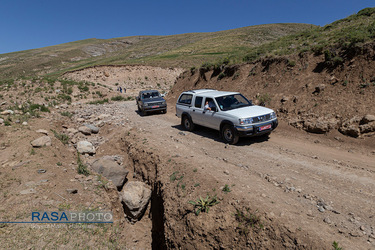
29 24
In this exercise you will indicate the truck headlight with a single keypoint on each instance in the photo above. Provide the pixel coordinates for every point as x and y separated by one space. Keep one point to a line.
244 121
273 115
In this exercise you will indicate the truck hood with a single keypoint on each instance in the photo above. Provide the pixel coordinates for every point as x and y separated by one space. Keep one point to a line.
250 111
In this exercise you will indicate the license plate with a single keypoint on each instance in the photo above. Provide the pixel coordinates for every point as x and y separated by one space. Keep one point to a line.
265 127
155 107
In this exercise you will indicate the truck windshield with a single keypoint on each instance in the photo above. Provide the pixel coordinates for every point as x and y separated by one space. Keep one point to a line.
229 102
148 95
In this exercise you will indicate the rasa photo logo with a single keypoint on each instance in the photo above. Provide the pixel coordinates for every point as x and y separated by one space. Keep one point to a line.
68 217
72 217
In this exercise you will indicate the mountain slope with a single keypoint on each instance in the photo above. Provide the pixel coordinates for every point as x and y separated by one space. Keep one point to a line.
183 50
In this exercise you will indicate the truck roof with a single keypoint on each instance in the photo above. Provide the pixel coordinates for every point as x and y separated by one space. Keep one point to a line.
210 92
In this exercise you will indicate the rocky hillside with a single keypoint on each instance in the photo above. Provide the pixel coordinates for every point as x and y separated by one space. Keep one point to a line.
306 91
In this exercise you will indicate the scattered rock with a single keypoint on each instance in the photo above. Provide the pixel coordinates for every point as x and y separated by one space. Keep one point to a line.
42 131
84 130
7 112
135 197
22 163
72 190
284 99
28 191
94 129
72 131
110 169
103 116
85 147
1 121
319 88
327 220
351 130
367 128
367 119
42 141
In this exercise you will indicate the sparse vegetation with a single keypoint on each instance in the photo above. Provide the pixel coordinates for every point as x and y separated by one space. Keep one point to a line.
264 99
226 188
173 177
82 168
335 246
204 204
118 98
67 114
99 101
247 220
62 137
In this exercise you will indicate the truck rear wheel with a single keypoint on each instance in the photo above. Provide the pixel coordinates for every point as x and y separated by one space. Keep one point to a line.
187 123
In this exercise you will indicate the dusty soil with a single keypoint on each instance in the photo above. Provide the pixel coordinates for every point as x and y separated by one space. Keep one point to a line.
133 78
283 180
291 190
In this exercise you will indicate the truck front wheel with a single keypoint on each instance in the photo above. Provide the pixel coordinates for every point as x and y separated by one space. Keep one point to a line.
229 134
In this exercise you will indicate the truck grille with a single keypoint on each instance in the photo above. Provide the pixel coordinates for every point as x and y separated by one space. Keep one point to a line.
262 118
155 103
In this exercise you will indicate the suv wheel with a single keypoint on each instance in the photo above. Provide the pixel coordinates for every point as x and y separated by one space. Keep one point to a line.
187 123
229 134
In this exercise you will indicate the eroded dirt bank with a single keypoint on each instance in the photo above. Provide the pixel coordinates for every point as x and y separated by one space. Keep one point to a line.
308 91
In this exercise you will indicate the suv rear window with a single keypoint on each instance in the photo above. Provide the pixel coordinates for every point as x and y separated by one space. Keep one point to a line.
185 99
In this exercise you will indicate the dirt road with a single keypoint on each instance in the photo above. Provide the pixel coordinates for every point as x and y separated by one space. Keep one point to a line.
312 183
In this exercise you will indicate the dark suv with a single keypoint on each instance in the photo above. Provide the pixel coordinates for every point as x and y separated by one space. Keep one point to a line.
149 101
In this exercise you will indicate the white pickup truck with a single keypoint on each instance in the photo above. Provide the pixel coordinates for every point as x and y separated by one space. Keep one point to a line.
228 112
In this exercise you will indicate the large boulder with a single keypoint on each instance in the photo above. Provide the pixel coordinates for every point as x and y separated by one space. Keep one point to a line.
367 128
85 147
41 141
350 130
367 119
320 126
110 169
135 197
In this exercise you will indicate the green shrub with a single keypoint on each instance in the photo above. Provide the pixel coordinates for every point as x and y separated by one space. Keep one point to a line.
82 168
291 63
221 76
264 99
118 98
99 101
366 12
64 97
83 88
247 220
39 107
203 205
67 114
62 137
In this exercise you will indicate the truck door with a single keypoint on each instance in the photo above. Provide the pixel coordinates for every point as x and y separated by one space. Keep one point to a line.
197 111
